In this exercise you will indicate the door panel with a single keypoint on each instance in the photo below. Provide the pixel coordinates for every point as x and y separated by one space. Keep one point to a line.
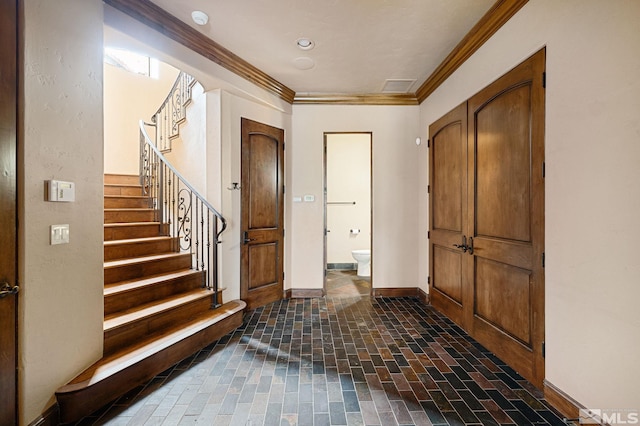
262 217
8 223
263 166
263 265
447 204
497 282
447 267
487 220
447 188
503 166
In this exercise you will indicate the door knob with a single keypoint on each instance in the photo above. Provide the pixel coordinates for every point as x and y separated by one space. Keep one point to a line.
246 238
6 290
462 246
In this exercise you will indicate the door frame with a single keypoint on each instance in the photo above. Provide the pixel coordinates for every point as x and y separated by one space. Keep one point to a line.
9 117
324 198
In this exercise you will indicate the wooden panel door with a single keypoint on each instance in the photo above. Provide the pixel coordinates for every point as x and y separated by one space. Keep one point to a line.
8 235
447 209
506 212
262 222
487 217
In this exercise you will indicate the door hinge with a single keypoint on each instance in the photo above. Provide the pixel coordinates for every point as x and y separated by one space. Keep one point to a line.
283 276
544 352
544 79
283 146
429 143
543 259
544 169
428 189
283 232
428 280
428 234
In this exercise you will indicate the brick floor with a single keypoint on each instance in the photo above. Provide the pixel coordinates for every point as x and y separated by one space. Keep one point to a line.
337 361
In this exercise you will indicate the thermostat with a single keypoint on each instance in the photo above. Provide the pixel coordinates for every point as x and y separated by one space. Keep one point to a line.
61 191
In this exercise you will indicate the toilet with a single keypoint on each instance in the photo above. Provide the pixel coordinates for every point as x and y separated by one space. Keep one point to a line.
363 257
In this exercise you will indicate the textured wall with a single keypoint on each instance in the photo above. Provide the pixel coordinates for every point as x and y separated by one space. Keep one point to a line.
61 311
394 195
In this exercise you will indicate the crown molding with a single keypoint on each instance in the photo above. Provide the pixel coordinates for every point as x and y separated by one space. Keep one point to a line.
355 99
162 21
491 22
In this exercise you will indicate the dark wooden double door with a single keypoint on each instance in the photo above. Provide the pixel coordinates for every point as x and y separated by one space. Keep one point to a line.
487 217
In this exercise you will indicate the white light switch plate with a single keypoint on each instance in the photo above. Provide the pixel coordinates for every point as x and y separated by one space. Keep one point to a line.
59 234
309 198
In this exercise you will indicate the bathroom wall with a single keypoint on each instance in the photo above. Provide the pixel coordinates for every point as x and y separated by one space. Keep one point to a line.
348 175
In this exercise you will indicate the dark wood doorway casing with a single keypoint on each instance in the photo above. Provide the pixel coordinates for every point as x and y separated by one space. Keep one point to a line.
262 214
8 218
487 217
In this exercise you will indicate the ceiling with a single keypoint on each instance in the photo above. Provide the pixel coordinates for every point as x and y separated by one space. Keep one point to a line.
359 44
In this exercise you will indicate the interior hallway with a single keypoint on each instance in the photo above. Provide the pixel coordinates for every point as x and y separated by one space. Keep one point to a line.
336 361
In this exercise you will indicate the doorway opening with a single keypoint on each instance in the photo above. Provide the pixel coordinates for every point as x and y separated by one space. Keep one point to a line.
348 214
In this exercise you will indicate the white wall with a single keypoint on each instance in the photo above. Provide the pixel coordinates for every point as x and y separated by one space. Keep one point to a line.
129 98
189 151
60 311
348 180
592 191
394 196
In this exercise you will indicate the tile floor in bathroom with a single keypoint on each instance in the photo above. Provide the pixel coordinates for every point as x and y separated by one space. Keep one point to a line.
345 359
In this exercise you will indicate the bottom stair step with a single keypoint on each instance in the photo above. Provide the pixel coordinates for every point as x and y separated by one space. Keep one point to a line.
120 372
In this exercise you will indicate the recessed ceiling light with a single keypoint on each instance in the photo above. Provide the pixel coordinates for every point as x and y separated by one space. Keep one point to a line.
199 17
305 43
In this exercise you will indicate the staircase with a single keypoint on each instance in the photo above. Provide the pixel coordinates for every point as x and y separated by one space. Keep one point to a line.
157 308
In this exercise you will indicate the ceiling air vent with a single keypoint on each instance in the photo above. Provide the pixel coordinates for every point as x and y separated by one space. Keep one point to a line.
397 85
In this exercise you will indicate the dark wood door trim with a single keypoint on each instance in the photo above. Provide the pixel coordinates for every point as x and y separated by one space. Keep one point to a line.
8 210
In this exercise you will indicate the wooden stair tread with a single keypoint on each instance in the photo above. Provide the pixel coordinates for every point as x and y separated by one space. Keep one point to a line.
128 285
118 361
147 310
133 185
142 259
123 224
137 240
127 196
129 209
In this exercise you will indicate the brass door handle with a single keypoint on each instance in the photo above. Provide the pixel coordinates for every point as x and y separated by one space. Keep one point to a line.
6 290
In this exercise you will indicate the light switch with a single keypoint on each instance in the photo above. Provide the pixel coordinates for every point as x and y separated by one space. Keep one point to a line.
59 234
309 198
297 199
